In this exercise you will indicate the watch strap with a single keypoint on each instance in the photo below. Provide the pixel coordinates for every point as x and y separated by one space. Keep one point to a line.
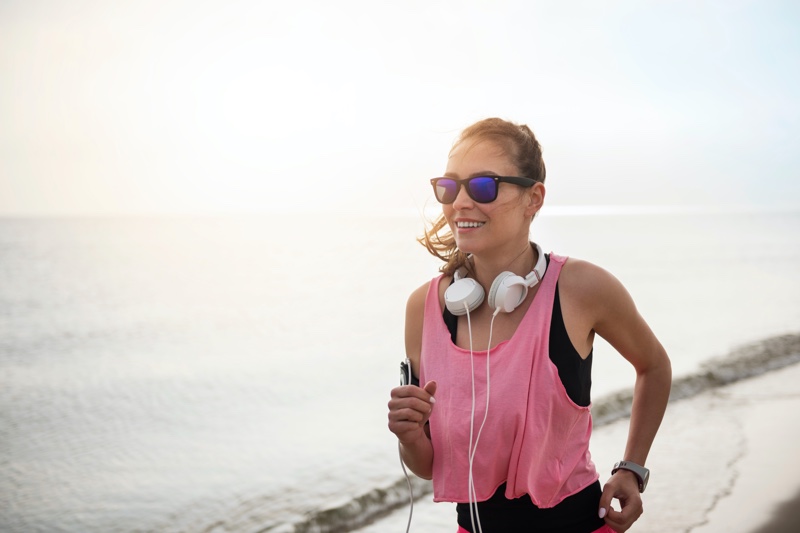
642 474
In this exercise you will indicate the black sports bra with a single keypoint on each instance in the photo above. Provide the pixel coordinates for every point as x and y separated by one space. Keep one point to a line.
576 513
574 371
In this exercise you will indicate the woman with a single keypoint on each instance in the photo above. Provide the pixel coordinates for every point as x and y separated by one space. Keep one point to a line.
502 341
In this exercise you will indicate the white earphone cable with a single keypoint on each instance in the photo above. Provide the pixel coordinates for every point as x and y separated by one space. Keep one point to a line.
472 494
410 490
470 454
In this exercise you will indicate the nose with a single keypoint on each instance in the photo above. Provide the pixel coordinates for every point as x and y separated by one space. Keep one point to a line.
463 201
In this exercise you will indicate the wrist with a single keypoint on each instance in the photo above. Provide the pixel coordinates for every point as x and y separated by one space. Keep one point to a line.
413 440
641 473
418 456
627 475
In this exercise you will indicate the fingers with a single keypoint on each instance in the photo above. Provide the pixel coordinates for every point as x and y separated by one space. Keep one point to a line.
411 391
410 408
415 411
630 500
430 388
605 501
621 521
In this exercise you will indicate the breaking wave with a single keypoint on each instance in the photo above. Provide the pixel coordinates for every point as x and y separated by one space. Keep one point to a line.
741 363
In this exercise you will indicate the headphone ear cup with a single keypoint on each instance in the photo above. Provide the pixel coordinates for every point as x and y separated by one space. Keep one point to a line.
463 291
507 291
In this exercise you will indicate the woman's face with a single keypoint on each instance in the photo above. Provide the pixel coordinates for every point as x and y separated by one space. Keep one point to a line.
505 222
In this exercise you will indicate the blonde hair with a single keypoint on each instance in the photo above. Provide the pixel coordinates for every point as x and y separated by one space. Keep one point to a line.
525 152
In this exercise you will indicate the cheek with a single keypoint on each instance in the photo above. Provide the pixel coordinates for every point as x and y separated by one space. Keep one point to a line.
448 212
505 204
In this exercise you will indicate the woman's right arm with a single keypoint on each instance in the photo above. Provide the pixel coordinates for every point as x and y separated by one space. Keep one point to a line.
411 406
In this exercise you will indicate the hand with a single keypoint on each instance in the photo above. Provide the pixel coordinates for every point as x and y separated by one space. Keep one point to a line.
409 411
624 486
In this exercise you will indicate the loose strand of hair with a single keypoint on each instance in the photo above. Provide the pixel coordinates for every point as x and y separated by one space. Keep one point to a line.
441 243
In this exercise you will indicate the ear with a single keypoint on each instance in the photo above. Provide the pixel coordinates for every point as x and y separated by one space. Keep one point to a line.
535 199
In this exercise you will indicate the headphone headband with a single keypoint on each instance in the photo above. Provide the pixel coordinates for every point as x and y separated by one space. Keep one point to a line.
538 271
507 291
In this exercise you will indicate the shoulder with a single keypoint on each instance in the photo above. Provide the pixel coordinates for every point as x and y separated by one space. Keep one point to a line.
587 278
592 287
416 301
604 305
415 317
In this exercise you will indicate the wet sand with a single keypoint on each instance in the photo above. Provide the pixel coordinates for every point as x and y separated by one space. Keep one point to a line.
766 473
786 518
725 461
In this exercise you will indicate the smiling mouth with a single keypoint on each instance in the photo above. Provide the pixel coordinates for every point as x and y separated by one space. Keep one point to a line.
469 224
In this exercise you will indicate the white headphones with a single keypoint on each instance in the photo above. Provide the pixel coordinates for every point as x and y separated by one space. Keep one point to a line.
508 290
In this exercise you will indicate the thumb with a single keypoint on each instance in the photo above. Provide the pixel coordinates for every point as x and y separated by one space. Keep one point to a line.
430 388
605 501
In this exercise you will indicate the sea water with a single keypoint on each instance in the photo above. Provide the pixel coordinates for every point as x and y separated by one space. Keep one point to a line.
232 373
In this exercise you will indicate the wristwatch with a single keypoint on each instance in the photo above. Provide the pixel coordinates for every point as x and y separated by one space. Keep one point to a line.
641 473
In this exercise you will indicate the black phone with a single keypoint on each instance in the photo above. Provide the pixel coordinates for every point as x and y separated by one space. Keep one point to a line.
405 372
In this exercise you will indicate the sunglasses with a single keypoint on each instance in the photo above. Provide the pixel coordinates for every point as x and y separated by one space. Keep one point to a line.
482 189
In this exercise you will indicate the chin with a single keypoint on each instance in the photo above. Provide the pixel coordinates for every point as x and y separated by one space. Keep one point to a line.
467 244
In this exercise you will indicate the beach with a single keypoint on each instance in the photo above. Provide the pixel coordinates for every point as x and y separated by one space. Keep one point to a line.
765 475
698 485
165 375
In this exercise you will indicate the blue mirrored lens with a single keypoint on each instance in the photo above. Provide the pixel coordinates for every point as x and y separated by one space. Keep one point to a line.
446 190
482 189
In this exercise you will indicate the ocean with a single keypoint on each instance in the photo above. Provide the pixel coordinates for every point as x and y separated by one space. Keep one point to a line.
188 374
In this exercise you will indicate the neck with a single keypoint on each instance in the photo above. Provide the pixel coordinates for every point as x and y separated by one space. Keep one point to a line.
522 263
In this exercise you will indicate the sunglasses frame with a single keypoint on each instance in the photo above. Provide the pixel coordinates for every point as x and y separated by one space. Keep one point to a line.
516 180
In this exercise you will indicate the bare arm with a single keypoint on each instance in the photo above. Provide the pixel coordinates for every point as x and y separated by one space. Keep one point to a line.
620 323
410 406
608 310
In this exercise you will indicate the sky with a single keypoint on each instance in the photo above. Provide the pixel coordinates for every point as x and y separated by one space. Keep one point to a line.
186 106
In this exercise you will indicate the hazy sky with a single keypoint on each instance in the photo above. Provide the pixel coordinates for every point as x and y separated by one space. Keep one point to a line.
140 106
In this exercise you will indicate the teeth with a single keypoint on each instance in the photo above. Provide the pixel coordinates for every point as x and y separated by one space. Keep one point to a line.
469 224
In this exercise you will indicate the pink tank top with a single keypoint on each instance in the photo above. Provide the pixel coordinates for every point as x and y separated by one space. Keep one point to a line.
535 438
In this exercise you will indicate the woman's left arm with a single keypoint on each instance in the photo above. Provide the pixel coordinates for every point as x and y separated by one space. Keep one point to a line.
613 315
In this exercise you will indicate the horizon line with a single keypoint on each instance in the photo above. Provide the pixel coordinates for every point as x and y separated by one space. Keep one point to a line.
547 210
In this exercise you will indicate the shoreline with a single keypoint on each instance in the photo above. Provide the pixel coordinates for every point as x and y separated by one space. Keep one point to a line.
723 460
745 362
720 464
765 475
